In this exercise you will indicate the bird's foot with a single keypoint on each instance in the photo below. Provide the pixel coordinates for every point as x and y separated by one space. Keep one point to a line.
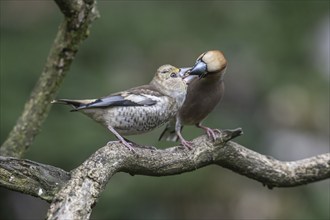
128 145
187 144
121 139
211 133
133 144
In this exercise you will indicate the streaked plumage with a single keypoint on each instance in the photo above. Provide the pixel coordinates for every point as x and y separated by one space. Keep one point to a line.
202 96
140 109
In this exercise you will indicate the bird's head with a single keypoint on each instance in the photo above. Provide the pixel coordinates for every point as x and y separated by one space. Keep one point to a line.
170 81
172 76
210 63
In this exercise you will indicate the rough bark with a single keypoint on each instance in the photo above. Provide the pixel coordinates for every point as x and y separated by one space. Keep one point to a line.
78 196
73 30
32 178
80 193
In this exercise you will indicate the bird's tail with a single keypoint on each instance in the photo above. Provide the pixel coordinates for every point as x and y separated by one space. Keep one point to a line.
76 104
169 133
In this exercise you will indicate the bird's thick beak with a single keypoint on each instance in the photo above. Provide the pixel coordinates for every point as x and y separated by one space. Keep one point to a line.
185 75
188 79
199 69
184 71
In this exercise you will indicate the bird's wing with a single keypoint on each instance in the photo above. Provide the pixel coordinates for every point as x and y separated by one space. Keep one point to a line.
125 98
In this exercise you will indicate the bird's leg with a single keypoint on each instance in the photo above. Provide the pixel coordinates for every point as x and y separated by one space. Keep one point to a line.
178 128
209 131
140 146
185 143
121 139
131 142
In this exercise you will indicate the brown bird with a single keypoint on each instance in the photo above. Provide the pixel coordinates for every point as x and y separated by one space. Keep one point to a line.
140 109
202 97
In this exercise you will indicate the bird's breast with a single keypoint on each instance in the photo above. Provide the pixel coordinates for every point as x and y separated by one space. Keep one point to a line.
200 101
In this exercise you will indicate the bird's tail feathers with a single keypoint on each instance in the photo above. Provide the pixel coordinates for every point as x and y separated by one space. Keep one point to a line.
76 104
169 134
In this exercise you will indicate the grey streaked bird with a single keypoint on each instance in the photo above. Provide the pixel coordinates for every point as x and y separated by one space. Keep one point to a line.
138 110
202 97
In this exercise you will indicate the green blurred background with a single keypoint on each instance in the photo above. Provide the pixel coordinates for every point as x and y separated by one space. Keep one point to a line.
277 90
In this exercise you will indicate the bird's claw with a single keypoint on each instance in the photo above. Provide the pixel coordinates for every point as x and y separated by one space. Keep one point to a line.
211 133
187 144
128 145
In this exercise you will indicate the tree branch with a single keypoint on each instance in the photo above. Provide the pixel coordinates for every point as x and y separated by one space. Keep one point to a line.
271 172
79 194
32 178
72 32
87 181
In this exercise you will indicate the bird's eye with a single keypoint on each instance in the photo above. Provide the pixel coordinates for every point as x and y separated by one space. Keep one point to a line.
173 75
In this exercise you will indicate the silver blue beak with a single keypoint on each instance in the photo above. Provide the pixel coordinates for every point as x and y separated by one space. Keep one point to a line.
184 71
199 69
